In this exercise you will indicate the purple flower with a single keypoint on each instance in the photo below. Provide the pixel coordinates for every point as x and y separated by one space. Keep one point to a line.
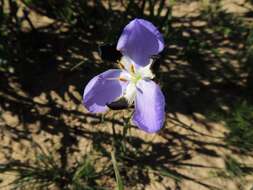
138 42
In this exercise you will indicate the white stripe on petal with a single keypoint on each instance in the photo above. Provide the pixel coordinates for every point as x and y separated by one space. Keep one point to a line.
130 93
146 71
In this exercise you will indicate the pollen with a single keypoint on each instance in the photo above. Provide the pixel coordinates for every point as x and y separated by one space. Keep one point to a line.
132 69
121 66
123 79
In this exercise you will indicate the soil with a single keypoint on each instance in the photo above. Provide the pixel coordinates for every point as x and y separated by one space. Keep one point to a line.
45 108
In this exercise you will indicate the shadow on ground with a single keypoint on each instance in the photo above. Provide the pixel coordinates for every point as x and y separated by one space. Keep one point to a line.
199 71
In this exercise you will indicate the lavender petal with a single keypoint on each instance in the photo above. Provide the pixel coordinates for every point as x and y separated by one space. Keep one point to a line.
102 90
140 40
149 112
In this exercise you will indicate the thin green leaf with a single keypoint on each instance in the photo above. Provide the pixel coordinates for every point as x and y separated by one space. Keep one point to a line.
120 185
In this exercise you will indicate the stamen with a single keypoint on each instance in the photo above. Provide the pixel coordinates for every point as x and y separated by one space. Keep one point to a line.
121 66
122 79
132 69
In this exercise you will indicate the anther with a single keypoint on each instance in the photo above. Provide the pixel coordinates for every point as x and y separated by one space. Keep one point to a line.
132 69
121 66
122 79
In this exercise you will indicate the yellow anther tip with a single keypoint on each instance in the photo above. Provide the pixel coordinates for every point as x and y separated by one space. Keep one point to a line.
132 68
121 65
122 79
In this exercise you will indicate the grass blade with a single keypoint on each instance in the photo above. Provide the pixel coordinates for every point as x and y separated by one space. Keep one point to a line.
120 185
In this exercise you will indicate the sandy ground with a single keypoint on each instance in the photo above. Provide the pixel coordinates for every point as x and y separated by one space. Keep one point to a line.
190 145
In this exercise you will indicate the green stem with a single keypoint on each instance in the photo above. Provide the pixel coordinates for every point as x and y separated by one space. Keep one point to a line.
125 131
114 136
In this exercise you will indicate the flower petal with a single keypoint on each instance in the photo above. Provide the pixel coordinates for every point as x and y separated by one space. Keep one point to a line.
149 112
103 89
146 72
140 40
130 93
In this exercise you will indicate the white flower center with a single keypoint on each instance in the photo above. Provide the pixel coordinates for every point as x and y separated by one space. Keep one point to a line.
134 75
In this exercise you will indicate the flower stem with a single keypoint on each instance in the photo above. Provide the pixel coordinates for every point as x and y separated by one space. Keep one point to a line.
125 131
